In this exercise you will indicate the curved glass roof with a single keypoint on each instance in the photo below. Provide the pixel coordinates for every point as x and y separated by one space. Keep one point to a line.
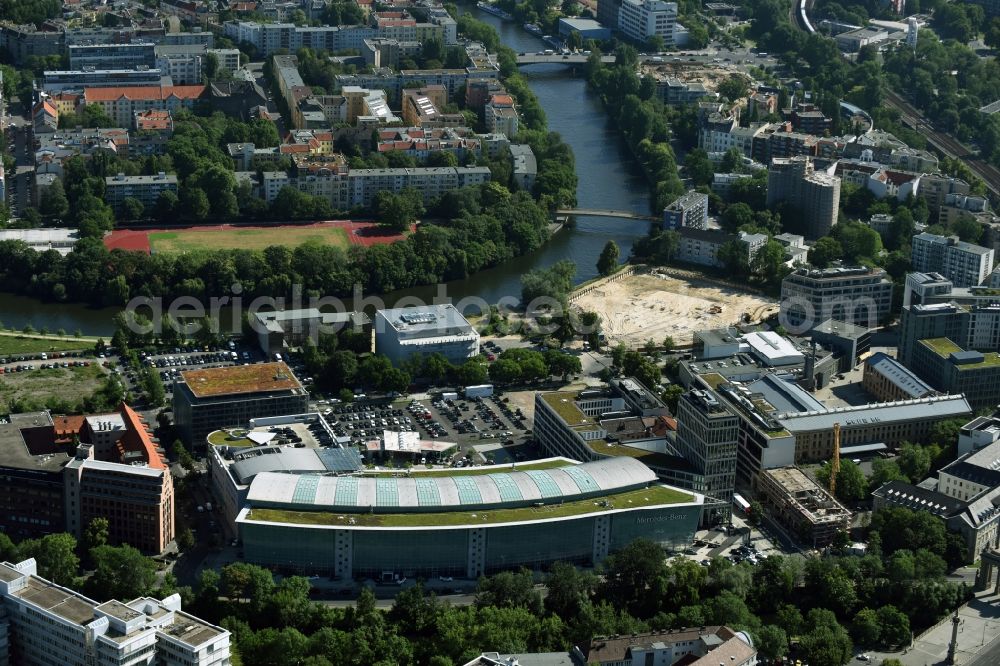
351 494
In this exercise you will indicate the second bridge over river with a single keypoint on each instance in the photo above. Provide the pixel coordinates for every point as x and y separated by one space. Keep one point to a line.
597 212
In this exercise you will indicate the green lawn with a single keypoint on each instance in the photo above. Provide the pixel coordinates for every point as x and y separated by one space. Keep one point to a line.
70 384
942 346
563 403
245 239
652 496
11 346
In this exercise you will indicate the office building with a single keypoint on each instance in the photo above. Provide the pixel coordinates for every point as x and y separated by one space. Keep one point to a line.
706 437
117 472
279 330
849 343
970 318
799 504
856 295
887 380
587 29
112 56
815 196
965 496
46 624
689 210
622 419
695 646
950 369
121 104
147 189
206 400
607 12
400 333
978 433
641 19
965 264
390 527
887 424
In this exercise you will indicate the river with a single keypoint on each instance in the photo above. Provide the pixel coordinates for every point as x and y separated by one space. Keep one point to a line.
608 179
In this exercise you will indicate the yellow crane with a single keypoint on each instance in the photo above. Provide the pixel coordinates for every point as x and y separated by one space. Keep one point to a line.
835 463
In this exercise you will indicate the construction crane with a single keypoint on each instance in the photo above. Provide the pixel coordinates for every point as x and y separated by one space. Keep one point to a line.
835 463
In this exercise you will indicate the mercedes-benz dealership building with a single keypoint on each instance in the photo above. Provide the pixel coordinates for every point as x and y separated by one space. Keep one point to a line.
461 524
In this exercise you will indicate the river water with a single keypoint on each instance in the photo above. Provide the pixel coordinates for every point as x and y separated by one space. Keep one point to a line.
608 179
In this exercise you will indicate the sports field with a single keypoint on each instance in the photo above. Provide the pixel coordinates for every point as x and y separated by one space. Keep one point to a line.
255 238
337 233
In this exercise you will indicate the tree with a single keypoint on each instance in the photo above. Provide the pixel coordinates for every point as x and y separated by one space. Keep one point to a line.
509 589
866 627
211 65
55 555
185 539
771 642
95 534
132 209
914 461
635 578
825 251
894 626
607 263
826 643
121 572
54 203
851 482
153 386
569 590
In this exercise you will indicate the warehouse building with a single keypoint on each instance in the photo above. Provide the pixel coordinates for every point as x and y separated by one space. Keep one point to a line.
463 525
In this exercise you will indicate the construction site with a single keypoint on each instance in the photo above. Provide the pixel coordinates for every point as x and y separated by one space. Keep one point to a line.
651 306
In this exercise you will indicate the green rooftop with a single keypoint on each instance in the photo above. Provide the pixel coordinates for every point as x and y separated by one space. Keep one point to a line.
944 347
644 497
563 403
651 458
223 438
713 379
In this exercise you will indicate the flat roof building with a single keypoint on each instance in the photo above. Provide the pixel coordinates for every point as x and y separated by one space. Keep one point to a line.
461 524
146 189
49 624
706 437
810 512
701 646
281 329
951 369
856 295
814 195
206 400
402 332
689 210
965 264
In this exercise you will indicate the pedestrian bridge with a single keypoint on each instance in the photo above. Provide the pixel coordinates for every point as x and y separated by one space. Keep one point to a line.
597 212
558 59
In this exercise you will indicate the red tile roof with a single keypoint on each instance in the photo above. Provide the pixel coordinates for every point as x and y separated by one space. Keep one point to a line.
92 95
137 440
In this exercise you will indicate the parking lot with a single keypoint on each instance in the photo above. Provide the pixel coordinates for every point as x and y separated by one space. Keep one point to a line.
484 429
172 363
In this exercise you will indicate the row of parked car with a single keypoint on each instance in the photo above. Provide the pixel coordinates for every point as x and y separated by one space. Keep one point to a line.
26 367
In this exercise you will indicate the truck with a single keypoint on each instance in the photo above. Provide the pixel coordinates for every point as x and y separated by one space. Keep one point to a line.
478 391
449 395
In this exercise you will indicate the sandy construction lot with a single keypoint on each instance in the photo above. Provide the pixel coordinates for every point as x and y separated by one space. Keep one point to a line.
643 307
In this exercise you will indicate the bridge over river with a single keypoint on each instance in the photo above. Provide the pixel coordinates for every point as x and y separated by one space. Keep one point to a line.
597 212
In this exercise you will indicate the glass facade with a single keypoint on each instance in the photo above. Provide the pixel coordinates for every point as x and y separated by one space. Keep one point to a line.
539 544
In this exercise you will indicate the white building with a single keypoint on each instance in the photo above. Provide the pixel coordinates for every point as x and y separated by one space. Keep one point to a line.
642 19
965 264
402 332
46 624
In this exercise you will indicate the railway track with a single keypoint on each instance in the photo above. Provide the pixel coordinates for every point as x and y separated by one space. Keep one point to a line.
909 115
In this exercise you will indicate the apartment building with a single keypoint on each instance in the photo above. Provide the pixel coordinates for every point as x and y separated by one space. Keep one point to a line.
689 210
147 189
57 81
112 56
702 246
393 83
965 264
206 400
695 646
706 437
814 195
936 187
501 116
121 104
641 19
46 624
403 332
856 295
25 41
